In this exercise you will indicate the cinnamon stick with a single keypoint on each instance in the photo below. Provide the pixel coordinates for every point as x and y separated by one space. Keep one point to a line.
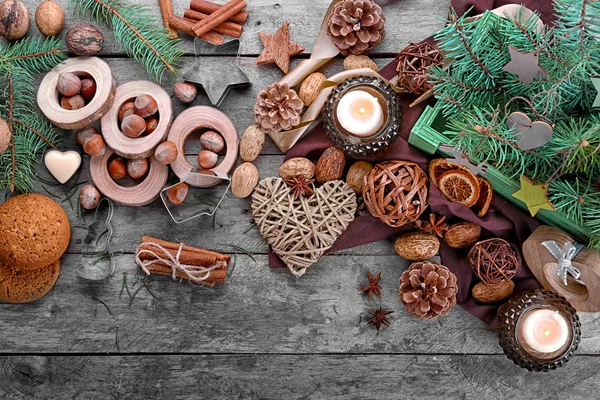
207 7
175 246
216 276
226 28
219 16
185 257
186 26
166 10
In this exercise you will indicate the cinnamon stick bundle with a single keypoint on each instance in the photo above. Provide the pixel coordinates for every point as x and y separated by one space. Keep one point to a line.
186 26
226 28
175 246
207 7
219 16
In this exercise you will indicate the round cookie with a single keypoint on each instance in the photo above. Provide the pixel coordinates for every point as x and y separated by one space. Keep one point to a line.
24 286
34 231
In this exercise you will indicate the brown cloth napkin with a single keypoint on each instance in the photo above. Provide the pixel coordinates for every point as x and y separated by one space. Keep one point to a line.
504 219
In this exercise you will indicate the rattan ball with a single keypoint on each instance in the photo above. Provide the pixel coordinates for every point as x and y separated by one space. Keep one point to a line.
493 261
396 192
413 63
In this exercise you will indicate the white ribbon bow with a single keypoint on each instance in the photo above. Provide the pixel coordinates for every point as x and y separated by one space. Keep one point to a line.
565 257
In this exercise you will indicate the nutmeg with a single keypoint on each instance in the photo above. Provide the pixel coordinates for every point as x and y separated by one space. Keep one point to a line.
137 168
14 17
166 153
126 109
212 141
145 105
185 92
84 40
310 88
207 159
88 88
89 197
178 193
252 143
133 126
68 84
49 18
297 167
356 175
462 235
117 169
151 124
330 165
244 180
485 293
72 103
417 246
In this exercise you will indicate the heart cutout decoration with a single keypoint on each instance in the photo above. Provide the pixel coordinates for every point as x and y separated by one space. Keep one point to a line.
301 230
62 165
529 135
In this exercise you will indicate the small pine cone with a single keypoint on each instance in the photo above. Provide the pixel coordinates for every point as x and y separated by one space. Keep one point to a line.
278 108
356 26
428 290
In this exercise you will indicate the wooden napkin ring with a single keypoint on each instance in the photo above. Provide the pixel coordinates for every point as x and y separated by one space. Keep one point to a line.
141 147
48 98
139 195
191 120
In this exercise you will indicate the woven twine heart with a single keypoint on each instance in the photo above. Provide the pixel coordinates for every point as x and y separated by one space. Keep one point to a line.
301 230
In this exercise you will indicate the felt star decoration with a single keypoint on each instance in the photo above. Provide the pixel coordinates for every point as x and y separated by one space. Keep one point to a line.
278 48
596 82
534 196
525 65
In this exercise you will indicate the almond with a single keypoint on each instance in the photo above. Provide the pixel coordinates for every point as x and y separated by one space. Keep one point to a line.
310 88
330 165
485 293
296 167
462 235
417 246
244 180
252 143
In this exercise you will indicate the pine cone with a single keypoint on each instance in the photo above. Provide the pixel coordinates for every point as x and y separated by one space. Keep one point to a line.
356 26
277 108
428 290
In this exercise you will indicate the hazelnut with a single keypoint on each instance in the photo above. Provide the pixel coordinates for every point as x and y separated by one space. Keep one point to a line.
15 19
151 124
185 92
178 193
84 40
68 84
85 133
207 159
117 169
166 153
137 168
145 105
88 88
212 141
89 197
49 18
72 103
126 109
133 126
95 146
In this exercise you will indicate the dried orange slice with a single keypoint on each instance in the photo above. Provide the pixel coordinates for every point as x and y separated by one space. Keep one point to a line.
439 166
459 186
485 197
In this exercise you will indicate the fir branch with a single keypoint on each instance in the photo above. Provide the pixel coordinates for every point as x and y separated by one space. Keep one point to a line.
33 54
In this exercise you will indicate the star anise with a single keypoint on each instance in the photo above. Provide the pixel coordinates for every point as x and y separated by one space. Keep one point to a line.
435 226
379 317
301 186
372 287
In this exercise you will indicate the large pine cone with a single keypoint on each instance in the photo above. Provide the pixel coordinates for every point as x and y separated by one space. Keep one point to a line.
277 108
356 26
428 290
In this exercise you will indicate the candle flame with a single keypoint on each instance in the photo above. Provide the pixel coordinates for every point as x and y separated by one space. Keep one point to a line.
546 332
362 111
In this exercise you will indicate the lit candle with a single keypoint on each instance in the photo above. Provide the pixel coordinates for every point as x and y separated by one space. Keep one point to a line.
543 330
360 113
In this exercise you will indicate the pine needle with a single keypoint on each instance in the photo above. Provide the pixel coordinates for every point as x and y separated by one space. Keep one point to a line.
247 252
104 304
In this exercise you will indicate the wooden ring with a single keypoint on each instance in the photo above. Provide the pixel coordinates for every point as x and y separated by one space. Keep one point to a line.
48 98
139 195
189 121
143 146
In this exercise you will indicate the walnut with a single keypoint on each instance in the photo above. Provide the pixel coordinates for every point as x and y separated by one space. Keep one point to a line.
84 40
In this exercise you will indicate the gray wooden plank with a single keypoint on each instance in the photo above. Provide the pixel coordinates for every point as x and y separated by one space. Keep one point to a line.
292 377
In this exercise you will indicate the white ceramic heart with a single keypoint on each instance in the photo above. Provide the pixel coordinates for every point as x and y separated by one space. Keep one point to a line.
62 165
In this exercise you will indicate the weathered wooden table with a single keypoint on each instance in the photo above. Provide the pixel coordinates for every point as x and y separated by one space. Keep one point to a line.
265 334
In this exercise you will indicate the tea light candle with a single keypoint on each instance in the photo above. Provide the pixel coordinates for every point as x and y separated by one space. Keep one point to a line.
543 330
360 113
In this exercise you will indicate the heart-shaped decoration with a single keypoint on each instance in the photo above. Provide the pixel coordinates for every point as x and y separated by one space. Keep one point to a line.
62 165
301 230
529 135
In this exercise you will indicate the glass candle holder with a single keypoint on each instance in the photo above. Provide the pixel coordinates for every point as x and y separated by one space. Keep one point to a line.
370 142
539 330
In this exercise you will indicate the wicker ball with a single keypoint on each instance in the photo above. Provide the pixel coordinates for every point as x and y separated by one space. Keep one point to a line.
396 192
493 261
413 62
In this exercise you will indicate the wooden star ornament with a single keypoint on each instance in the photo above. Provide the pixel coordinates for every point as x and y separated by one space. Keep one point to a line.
278 48
534 196
525 65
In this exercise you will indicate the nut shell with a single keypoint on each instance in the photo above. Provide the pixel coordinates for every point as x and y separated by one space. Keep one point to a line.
185 92
211 140
84 40
117 169
145 105
462 235
5 135
252 143
68 84
133 125
88 88
297 167
330 165
151 124
356 175
244 180
310 88
72 103
485 293
49 18
207 159
178 193
166 153
355 61
14 19
126 109
89 197
417 246
137 168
